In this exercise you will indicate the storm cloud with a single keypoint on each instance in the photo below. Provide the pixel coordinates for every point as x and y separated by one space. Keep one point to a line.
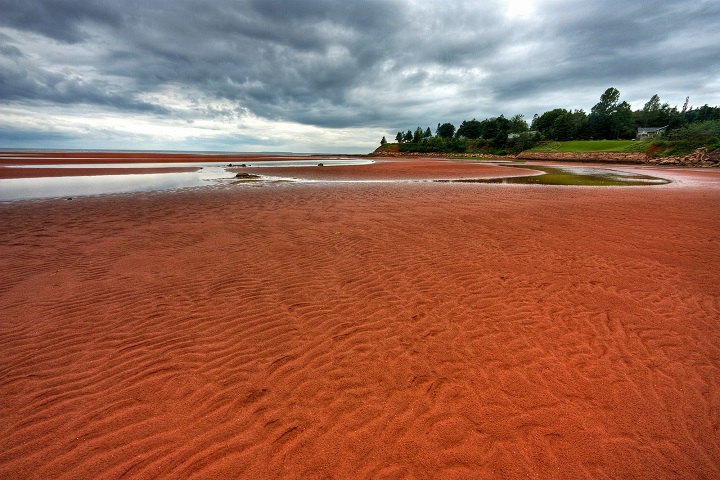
330 76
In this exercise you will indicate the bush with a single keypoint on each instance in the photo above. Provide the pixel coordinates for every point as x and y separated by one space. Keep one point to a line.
689 138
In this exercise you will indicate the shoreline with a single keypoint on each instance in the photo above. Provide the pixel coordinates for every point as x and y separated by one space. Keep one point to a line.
63 157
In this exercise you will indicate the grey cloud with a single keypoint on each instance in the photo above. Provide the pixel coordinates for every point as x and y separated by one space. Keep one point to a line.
58 19
8 48
615 43
36 84
349 64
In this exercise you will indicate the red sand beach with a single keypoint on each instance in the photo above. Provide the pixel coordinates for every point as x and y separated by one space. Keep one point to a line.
353 330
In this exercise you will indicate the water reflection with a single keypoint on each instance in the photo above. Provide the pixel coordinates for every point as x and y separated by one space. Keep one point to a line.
248 164
582 176
216 173
51 187
209 174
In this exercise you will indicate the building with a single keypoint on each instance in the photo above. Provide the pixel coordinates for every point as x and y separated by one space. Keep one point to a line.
651 132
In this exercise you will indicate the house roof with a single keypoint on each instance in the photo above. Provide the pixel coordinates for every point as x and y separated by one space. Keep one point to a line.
650 129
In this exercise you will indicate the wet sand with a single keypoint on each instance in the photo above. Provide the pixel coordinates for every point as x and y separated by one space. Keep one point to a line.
392 169
350 330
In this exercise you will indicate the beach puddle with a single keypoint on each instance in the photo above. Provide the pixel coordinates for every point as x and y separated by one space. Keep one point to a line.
578 176
215 173
208 173
57 187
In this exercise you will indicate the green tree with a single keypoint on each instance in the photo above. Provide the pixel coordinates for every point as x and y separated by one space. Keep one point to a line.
418 135
608 119
497 130
655 114
446 130
428 133
408 136
579 124
702 114
469 129
561 124
383 141
518 124
545 122
562 127
650 111
621 122
399 137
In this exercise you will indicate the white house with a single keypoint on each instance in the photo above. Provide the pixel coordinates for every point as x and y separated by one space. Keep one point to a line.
651 132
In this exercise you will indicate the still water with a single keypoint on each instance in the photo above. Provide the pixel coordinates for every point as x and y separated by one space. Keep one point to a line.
209 174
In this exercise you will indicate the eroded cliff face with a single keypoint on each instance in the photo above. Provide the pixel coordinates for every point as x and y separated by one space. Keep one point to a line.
606 157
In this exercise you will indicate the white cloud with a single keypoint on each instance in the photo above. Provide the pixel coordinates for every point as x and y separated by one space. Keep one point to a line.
520 9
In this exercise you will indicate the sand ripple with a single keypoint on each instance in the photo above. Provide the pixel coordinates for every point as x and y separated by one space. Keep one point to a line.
350 331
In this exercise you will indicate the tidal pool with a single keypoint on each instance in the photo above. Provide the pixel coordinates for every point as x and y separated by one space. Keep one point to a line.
583 176
75 186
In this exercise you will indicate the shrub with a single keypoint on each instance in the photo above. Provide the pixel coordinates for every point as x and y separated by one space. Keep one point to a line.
689 138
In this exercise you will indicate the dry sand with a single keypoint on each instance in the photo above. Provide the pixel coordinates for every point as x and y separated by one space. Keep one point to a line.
350 330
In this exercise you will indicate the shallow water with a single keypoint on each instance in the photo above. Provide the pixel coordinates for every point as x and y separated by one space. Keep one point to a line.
580 176
75 186
52 187
251 164
215 173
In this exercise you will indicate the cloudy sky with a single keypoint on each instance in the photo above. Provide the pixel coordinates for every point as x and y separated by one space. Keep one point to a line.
330 75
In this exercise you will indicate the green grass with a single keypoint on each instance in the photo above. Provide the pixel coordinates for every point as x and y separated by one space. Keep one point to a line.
583 146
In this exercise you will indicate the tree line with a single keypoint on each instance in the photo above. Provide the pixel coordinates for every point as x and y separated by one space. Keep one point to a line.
608 119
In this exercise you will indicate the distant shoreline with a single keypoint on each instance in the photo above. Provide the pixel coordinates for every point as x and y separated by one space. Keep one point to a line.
47 157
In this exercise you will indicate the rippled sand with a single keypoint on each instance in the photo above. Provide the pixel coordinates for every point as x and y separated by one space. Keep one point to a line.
332 330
